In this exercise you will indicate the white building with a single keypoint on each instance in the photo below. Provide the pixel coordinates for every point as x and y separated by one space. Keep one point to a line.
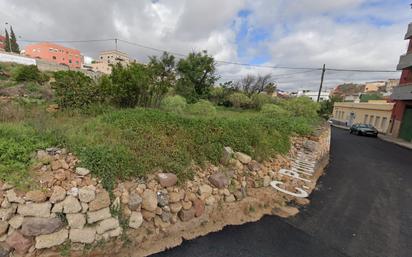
324 95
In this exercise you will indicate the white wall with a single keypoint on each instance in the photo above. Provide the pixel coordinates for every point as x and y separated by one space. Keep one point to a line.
17 59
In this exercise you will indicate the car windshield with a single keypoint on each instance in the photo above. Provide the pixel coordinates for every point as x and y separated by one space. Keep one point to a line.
365 126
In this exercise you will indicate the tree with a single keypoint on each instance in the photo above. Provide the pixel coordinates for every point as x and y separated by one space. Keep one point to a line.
252 84
197 75
13 41
326 107
7 41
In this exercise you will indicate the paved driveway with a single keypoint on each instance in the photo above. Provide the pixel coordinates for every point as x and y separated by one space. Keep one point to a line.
363 208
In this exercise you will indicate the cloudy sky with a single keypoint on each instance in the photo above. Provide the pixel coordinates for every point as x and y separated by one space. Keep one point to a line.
349 34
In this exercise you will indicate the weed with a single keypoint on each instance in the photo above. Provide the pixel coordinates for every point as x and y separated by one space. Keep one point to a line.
64 249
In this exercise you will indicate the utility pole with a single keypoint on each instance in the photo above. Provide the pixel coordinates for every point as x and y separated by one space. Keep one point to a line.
9 38
115 41
321 81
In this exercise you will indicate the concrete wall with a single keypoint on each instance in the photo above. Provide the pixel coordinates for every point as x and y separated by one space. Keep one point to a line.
16 59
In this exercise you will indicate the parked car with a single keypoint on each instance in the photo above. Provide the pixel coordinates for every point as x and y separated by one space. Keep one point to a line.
363 130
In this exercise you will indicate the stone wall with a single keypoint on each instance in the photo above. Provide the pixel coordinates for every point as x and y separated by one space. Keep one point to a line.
72 213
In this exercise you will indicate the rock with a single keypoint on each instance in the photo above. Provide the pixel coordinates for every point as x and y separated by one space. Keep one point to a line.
87 194
134 201
101 201
166 216
4 252
186 215
219 180
167 179
13 198
135 220
243 158
4 225
55 165
199 207
85 207
101 214
162 199
210 200
76 220
16 221
205 190
85 236
6 186
5 204
36 196
40 226
301 201
82 171
149 200
58 207
310 145
106 225
41 210
186 205
115 232
147 215
50 240
6 214
230 198
43 157
266 181
227 155
74 191
254 166
19 243
286 211
175 207
71 205
58 194
175 197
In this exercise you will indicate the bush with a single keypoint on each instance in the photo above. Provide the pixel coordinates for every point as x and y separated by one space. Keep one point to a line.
301 106
273 110
176 104
29 73
258 100
239 100
203 108
74 89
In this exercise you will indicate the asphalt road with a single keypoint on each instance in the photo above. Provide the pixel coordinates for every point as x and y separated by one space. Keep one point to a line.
363 208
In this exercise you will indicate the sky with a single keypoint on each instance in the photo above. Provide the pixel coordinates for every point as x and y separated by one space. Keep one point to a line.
347 34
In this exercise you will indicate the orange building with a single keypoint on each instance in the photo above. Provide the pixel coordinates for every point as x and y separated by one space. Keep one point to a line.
55 53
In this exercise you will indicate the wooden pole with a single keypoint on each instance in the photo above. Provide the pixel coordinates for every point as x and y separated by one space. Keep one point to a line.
321 81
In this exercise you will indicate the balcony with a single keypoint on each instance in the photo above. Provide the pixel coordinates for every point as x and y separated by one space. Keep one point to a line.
405 61
409 33
402 92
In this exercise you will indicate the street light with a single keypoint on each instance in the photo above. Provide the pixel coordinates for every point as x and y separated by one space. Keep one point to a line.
9 37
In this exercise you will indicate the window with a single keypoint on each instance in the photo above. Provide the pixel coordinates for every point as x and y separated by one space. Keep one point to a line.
377 120
384 121
77 62
371 119
50 49
54 57
343 115
366 118
70 61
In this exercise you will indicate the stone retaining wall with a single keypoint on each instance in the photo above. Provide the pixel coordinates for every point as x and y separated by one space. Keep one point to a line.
72 214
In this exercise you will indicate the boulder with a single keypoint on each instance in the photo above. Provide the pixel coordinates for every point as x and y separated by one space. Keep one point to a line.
19 243
50 240
71 205
102 200
43 157
82 171
40 226
58 194
41 210
36 196
175 207
310 145
135 220
149 200
4 225
175 197
76 220
6 214
85 235
243 158
254 166
106 225
219 180
230 198
162 199
147 215
227 155
16 221
199 207
87 194
205 190
186 215
186 205
134 201
167 179
13 198
4 252
101 214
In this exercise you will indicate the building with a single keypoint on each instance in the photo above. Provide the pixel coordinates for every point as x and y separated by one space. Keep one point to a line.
2 43
55 53
355 98
107 59
390 84
324 95
377 113
374 86
402 95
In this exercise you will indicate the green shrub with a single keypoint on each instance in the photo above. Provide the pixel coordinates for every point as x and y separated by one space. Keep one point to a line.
203 107
176 104
239 100
74 89
273 110
29 73
301 106
258 100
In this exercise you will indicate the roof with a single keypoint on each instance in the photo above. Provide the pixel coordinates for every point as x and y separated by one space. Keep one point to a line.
2 38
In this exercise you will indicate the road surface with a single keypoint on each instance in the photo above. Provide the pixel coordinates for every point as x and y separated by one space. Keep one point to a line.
363 208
